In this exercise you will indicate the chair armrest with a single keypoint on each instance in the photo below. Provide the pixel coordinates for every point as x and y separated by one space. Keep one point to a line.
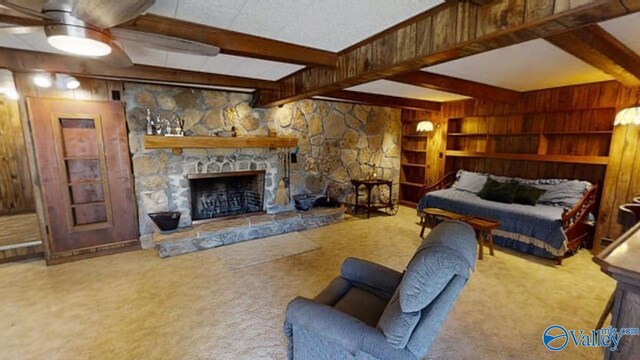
339 328
326 322
371 274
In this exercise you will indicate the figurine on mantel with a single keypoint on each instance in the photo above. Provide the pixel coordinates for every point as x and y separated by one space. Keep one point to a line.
149 123
164 127
174 127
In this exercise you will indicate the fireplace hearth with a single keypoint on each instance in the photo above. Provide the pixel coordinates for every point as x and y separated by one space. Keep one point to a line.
217 195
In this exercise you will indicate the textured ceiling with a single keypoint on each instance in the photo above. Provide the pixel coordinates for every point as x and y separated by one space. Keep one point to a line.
528 66
626 29
324 24
386 87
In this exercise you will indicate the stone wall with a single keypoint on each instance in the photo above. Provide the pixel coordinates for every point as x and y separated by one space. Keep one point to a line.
337 141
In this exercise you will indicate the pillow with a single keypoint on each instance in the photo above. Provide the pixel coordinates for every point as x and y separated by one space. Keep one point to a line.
567 193
527 195
397 326
470 181
499 192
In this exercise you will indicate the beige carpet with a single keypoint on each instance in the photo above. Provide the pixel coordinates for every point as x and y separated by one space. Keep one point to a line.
249 253
138 306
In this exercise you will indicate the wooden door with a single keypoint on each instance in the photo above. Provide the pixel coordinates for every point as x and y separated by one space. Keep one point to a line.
85 175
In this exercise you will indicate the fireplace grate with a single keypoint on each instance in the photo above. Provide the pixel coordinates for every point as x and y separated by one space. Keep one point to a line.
221 203
226 194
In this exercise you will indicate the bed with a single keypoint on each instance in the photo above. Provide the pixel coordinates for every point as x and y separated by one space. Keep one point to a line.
546 229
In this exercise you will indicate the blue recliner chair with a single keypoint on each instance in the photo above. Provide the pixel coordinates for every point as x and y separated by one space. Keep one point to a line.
373 312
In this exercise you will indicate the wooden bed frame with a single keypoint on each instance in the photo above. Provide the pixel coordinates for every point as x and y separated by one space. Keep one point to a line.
574 220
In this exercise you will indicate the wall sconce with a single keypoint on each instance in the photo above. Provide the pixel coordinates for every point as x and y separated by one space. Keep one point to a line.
424 126
42 80
630 115
62 81
70 82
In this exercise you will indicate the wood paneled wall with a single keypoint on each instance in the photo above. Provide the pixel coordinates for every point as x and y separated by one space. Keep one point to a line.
620 178
16 191
622 181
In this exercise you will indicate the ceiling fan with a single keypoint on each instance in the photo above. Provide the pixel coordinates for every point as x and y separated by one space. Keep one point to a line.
87 28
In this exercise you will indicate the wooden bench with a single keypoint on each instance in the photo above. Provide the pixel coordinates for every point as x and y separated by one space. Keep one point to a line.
483 227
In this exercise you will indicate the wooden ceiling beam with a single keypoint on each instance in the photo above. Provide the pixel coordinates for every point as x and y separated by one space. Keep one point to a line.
595 46
457 86
25 61
385 100
231 42
447 32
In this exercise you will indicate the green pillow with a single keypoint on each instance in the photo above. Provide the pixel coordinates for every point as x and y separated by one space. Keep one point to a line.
528 195
499 192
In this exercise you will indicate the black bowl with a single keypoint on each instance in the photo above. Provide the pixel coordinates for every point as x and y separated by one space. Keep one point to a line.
167 220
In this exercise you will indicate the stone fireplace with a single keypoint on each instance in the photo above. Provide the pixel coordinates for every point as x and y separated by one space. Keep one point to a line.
216 195
336 142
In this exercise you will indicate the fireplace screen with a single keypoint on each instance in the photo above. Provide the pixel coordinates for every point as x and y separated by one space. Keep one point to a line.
224 194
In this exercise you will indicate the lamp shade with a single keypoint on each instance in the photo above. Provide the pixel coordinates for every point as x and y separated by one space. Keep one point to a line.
628 116
424 126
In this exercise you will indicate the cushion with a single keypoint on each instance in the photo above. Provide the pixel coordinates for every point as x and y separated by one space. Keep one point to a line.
362 305
499 192
470 181
567 193
527 195
397 326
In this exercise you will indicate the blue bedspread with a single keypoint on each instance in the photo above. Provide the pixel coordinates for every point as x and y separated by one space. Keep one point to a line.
524 227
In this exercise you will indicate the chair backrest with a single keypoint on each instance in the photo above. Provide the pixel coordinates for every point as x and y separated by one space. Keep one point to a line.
431 283
461 240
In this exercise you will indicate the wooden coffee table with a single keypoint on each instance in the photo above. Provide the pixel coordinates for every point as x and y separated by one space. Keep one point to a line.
483 227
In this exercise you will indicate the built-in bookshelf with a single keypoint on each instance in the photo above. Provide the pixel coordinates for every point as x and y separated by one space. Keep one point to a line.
413 164
577 136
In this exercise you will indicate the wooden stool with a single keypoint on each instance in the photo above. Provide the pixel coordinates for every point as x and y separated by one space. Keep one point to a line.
483 227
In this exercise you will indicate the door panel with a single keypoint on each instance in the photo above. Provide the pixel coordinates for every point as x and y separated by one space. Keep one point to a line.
83 161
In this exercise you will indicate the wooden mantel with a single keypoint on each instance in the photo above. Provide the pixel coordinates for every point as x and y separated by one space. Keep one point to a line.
215 142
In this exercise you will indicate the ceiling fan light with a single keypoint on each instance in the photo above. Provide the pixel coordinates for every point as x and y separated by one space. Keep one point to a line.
42 80
79 45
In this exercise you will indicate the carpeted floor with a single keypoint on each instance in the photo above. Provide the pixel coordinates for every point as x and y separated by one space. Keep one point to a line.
138 306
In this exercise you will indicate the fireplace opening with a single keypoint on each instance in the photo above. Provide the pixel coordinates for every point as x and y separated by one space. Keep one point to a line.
216 195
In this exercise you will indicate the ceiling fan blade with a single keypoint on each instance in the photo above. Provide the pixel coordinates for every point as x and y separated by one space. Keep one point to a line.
163 42
17 30
118 58
108 13
24 10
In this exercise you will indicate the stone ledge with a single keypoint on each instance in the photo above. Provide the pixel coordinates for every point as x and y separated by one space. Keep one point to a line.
225 232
